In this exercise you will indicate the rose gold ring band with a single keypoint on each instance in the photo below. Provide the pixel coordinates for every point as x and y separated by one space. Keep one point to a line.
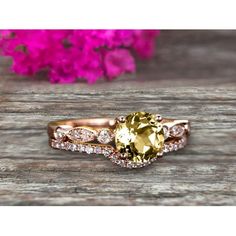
97 136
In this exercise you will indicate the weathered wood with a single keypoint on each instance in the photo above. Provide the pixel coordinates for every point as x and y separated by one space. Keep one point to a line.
191 77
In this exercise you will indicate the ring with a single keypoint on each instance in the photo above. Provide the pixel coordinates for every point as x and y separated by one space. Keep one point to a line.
133 141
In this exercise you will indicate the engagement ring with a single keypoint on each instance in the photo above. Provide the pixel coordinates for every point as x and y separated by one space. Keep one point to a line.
133 141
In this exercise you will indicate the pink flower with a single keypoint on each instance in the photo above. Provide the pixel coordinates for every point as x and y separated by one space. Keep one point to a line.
144 43
68 55
118 62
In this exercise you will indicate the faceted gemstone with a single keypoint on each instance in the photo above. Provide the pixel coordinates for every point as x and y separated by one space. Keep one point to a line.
105 136
140 137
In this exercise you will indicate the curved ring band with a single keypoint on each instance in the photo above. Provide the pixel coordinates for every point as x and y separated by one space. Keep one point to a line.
132 141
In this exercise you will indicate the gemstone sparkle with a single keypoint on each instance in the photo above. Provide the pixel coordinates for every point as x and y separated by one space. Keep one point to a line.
140 137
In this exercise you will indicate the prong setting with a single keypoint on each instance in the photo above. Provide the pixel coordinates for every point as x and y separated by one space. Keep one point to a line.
160 154
120 119
158 117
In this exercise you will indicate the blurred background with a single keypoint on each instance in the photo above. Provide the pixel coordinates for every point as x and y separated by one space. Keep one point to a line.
182 57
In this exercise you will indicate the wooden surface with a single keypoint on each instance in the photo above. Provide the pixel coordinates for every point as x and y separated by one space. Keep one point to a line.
192 76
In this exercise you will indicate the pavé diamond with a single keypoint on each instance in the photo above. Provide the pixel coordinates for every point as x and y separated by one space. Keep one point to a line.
81 134
89 149
60 133
98 150
72 147
166 148
106 152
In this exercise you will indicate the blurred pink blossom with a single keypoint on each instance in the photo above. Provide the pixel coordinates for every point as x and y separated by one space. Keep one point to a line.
71 54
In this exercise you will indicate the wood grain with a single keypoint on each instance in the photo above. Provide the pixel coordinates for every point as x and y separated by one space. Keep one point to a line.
192 76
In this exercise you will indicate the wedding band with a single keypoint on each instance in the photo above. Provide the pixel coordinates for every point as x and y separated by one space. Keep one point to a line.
133 141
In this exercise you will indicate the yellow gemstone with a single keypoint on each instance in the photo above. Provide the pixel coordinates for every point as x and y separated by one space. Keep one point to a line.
140 137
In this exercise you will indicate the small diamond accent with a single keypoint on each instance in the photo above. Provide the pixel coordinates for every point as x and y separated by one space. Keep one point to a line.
175 147
114 156
98 150
71 146
54 144
178 144
105 136
82 148
166 148
81 135
60 133
106 152
171 147
78 147
177 131
62 145
89 149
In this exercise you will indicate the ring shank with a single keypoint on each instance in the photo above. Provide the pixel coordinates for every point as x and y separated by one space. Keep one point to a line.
94 123
98 123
